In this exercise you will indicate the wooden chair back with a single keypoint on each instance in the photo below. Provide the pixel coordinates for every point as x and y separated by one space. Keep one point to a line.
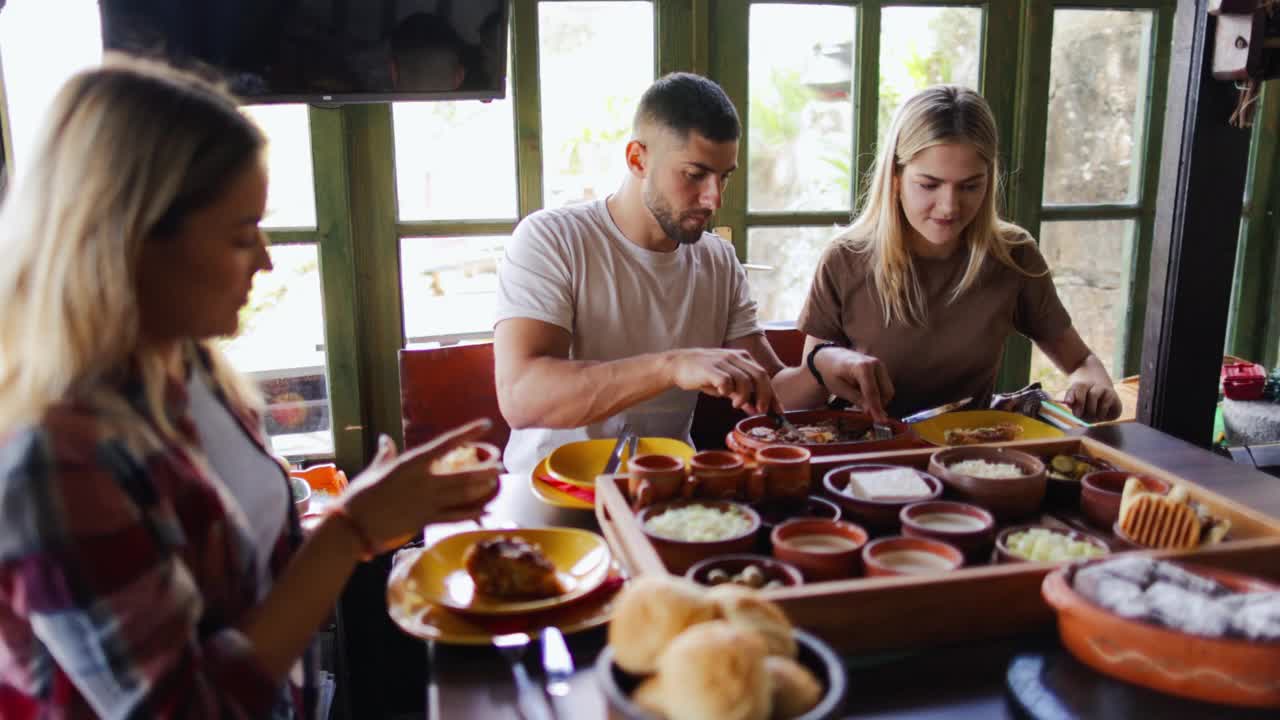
442 388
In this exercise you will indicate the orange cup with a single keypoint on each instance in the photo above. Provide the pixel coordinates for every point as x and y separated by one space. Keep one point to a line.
655 478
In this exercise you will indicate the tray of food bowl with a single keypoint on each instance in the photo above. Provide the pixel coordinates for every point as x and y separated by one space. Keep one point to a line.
918 547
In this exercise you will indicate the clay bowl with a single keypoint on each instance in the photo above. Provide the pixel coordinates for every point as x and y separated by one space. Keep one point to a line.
818 657
833 563
975 542
1066 493
879 556
1100 494
1002 554
741 440
1222 670
773 513
1005 498
772 569
680 555
875 515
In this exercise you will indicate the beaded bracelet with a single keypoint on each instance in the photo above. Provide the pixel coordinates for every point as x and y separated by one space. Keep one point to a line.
369 549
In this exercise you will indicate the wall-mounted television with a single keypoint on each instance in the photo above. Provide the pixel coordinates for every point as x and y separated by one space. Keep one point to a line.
324 51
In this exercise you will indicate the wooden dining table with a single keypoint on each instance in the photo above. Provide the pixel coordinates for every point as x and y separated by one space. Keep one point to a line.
957 681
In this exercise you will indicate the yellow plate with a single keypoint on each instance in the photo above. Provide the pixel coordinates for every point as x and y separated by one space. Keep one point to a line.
934 429
581 559
580 462
552 495
425 620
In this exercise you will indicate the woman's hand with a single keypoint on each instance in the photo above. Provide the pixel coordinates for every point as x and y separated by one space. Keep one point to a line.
1092 401
398 494
857 377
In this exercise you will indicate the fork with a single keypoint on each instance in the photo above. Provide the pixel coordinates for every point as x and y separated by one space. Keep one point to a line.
529 698
881 431
781 421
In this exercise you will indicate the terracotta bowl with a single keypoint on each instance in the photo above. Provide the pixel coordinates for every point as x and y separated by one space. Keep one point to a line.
1221 670
1066 493
1002 553
773 513
825 564
680 555
772 569
1005 498
875 515
877 555
742 441
617 684
975 543
1100 494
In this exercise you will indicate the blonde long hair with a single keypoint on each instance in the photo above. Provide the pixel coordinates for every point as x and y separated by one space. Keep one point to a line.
127 151
938 115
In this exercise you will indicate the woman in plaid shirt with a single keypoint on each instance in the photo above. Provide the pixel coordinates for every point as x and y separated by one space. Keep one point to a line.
138 578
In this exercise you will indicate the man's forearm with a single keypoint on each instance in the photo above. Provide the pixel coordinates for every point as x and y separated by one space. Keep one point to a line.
557 393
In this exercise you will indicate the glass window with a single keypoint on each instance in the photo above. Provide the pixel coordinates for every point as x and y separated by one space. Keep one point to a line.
450 287
923 46
291 194
596 59
280 345
456 160
792 253
1089 260
800 113
42 44
1098 81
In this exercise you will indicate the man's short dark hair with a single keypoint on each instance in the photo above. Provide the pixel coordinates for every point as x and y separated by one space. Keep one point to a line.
683 102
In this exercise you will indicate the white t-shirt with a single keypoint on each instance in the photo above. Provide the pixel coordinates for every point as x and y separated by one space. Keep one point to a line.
572 267
255 480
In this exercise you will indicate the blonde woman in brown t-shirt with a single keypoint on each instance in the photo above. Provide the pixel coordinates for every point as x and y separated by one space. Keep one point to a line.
911 304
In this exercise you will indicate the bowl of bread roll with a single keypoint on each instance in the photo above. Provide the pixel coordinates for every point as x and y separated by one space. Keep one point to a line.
678 651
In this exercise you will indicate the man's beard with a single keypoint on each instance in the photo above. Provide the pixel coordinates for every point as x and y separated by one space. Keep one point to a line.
669 223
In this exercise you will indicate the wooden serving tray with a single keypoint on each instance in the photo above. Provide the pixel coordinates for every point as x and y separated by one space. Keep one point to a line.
973 603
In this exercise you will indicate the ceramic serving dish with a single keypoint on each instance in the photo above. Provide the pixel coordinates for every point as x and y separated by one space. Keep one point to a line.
875 515
822 549
771 569
968 527
1222 670
679 555
1100 494
1003 554
814 654
902 555
742 441
1005 498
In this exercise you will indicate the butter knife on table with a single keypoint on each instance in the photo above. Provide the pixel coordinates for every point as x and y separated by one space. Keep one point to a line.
557 663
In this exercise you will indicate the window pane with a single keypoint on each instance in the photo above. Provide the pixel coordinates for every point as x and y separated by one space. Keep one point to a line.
793 253
1097 103
800 113
1089 262
923 46
280 345
42 44
450 287
596 60
456 160
291 194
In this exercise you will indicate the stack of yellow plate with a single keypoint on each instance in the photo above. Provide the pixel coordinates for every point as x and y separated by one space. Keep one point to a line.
578 464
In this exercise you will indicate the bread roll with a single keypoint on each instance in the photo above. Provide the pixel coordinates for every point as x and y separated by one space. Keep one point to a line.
651 611
715 671
795 690
747 609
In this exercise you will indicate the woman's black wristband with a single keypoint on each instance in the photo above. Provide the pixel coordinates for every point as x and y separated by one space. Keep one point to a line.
813 368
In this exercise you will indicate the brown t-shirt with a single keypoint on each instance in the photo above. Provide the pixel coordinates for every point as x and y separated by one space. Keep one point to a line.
957 353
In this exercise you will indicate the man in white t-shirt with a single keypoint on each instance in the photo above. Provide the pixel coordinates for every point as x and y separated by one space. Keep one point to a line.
621 310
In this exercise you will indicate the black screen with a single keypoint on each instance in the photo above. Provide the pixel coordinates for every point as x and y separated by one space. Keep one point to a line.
324 50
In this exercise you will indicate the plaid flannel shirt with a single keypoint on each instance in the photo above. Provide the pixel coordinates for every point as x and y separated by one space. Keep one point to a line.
125 567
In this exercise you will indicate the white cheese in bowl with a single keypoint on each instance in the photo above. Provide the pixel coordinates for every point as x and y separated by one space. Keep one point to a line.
887 485
698 523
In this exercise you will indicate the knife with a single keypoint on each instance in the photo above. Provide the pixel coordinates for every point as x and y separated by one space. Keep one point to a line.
935 412
557 663
615 457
